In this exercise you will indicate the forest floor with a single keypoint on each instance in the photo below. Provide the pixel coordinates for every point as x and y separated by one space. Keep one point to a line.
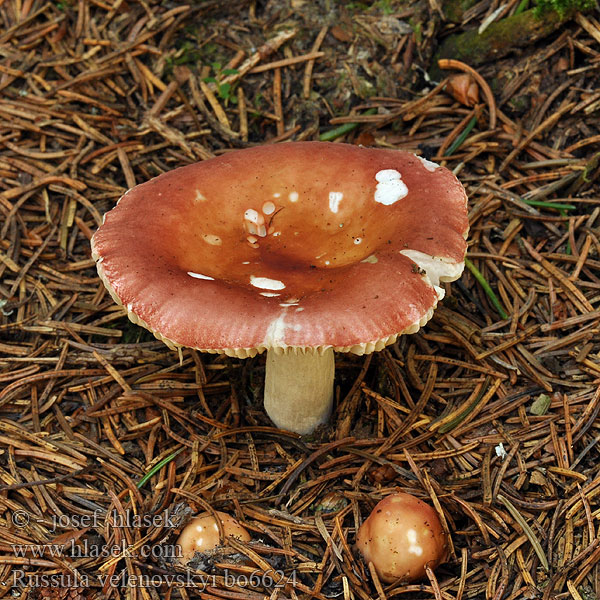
489 413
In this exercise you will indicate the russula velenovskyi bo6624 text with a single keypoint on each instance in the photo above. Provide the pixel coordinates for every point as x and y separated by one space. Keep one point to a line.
297 249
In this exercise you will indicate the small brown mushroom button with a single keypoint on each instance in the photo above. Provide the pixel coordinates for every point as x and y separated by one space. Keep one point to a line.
201 534
297 250
400 537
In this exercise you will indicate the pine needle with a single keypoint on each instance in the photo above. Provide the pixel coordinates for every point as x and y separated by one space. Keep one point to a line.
526 530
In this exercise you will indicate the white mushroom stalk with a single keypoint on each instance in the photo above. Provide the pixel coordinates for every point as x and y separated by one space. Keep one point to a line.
299 388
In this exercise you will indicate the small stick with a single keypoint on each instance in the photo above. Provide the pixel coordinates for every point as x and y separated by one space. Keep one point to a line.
376 582
212 100
285 135
308 69
549 122
243 114
579 299
582 258
463 573
286 62
51 480
435 586
277 100
113 372
163 99
450 63
271 46
126 166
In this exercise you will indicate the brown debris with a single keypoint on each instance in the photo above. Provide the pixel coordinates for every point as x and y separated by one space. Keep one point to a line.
463 88
490 413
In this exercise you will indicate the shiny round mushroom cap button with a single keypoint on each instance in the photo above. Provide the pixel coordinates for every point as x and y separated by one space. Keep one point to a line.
400 537
201 534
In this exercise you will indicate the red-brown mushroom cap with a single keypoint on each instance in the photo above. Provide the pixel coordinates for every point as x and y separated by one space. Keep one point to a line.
400 537
309 245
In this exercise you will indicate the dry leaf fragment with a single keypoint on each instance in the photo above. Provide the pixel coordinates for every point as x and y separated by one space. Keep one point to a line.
462 87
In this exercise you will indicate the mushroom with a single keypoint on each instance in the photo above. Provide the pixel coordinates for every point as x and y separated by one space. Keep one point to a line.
401 537
296 249
201 534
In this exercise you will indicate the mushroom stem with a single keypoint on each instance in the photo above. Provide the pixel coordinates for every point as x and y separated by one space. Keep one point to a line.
299 389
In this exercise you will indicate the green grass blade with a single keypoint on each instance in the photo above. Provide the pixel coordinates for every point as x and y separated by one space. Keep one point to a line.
523 5
337 132
467 411
557 205
461 138
157 467
486 287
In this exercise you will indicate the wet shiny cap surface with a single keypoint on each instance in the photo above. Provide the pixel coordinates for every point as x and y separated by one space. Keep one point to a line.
201 534
400 537
304 244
